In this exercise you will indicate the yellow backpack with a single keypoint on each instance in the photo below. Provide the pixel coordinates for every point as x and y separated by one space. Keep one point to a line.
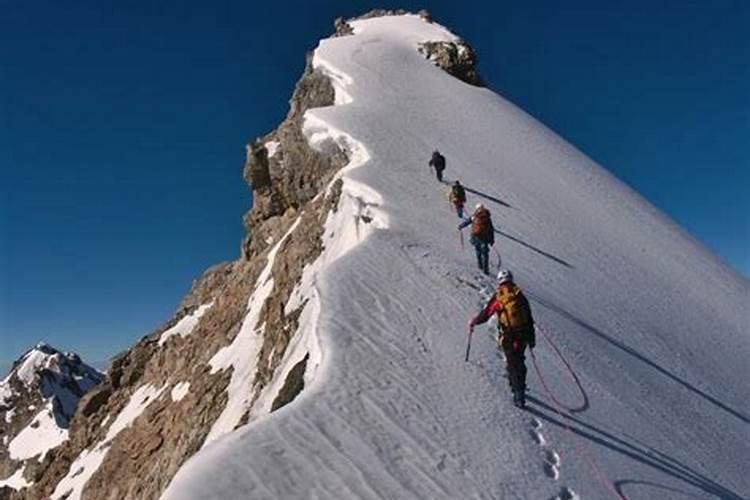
515 314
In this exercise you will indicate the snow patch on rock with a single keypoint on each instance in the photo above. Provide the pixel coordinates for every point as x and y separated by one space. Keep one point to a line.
138 402
37 438
241 355
271 148
180 390
71 486
186 325
16 480
85 465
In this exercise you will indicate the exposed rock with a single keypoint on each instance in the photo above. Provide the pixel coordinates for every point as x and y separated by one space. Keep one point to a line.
341 27
257 163
297 172
424 14
208 285
457 58
94 400
293 385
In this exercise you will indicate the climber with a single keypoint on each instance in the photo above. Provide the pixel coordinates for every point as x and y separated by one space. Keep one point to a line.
482 235
457 197
515 330
438 162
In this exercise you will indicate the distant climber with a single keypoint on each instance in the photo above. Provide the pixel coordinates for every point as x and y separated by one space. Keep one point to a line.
438 163
457 197
515 330
482 235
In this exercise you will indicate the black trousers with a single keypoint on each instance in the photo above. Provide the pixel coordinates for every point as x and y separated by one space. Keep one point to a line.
515 362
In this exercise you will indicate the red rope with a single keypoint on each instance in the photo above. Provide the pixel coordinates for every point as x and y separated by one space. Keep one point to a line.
580 448
568 367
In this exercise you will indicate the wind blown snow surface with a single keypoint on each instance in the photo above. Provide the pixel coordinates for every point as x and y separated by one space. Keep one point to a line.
653 327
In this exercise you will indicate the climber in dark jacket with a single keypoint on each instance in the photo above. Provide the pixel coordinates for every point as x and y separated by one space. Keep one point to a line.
438 163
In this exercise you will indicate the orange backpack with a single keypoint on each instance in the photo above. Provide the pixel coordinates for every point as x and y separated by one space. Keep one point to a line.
515 314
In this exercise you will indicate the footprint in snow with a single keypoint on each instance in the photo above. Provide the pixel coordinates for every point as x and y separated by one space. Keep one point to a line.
552 465
535 432
537 437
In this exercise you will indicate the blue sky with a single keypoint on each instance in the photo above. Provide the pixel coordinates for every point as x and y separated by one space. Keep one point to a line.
123 125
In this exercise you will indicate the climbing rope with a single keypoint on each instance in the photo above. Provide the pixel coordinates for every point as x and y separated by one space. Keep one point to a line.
581 449
569 369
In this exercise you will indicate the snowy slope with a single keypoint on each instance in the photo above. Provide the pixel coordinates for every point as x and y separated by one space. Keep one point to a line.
654 327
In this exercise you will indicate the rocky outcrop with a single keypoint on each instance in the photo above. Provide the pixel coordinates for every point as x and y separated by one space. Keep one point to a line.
457 58
293 385
295 173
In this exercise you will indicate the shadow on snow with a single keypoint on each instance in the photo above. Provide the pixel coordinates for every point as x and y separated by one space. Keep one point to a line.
534 249
640 357
641 453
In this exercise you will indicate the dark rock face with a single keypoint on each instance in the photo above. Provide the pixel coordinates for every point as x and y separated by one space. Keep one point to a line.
293 385
94 400
341 27
295 173
457 58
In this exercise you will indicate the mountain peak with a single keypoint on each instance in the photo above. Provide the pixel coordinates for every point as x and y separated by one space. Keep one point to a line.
38 398
44 362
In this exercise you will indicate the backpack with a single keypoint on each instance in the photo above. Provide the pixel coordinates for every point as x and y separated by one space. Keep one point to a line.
458 194
481 225
515 314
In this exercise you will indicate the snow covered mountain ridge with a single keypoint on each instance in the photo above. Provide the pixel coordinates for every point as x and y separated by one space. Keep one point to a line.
327 361
38 398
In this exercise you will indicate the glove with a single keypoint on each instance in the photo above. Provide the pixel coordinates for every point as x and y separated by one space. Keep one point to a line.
532 344
471 325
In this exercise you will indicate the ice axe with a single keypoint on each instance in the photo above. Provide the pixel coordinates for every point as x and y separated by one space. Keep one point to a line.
468 345
461 238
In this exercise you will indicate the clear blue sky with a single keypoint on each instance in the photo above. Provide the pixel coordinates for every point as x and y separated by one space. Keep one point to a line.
123 125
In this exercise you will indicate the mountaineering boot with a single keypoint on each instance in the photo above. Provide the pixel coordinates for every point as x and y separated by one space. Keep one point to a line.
519 399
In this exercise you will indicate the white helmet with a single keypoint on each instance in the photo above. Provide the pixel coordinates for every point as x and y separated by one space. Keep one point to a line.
478 206
504 276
